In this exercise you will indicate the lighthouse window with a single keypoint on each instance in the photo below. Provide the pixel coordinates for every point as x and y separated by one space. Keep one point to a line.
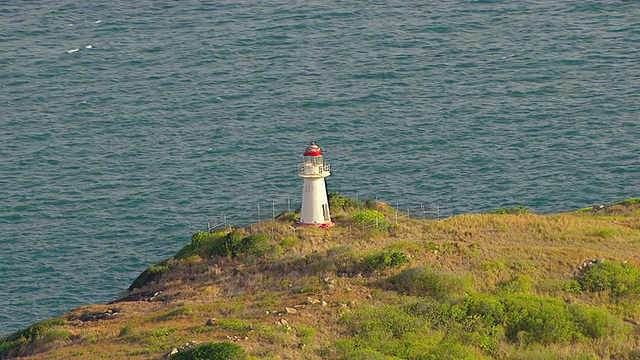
315 160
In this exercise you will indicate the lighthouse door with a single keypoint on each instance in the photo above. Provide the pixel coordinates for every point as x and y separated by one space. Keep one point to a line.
325 212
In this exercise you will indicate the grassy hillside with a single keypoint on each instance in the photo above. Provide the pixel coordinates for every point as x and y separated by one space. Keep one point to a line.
504 285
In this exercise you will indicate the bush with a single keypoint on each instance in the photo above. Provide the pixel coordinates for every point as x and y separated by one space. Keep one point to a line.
423 281
337 202
368 218
531 318
255 245
370 204
490 308
384 260
192 248
213 351
231 244
290 242
594 322
619 278
519 284
234 244
153 273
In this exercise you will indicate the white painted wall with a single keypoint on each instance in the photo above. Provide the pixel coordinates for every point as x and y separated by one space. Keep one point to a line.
314 199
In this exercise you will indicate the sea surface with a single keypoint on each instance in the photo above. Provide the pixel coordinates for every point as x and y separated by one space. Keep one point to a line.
125 126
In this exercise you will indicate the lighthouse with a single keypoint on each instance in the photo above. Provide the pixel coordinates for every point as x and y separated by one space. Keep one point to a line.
315 205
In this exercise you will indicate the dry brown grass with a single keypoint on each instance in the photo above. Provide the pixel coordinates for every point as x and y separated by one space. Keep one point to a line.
249 296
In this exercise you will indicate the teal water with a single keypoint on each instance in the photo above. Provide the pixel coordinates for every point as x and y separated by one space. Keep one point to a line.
112 155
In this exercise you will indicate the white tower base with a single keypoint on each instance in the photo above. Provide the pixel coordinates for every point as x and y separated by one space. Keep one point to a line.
315 205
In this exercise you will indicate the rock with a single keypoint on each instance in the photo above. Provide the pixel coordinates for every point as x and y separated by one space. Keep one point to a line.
330 287
283 322
211 322
324 303
190 344
171 353
290 310
311 301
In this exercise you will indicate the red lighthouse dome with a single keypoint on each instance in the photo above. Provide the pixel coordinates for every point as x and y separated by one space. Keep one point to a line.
313 150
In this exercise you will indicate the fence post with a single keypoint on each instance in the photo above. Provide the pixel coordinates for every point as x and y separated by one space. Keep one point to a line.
258 212
273 209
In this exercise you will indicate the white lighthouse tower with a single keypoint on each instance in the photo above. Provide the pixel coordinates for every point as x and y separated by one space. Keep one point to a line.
315 205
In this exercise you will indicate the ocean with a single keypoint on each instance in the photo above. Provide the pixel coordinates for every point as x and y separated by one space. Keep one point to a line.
127 126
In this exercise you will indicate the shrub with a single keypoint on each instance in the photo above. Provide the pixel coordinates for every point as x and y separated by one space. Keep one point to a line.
290 242
620 278
423 281
289 216
153 273
490 308
337 202
255 245
571 286
213 351
384 260
231 244
594 322
388 318
531 318
234 244
517 285
194 246
370 204
369 217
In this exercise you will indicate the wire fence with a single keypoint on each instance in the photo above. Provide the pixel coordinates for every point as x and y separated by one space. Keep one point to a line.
270 209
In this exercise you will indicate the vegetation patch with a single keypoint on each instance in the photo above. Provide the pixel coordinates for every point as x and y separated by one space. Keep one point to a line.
213 351
511 210
366 218
619 278
425 281
338 202
17 343
153 273
384 260
629 202
519 284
